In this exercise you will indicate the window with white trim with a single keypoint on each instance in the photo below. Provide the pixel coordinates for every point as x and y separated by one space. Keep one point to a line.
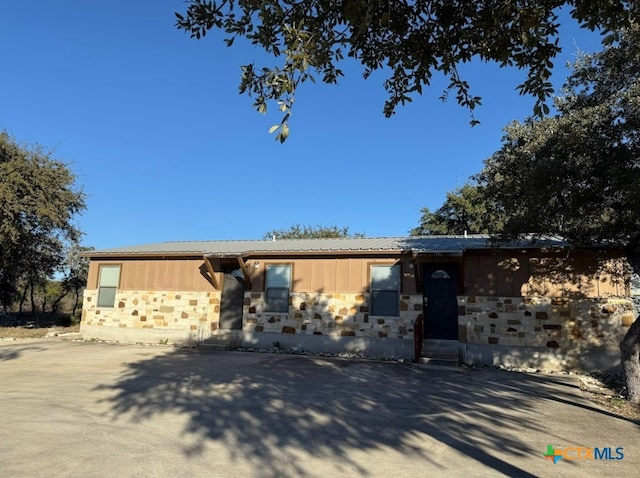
277 287
107 285
385 290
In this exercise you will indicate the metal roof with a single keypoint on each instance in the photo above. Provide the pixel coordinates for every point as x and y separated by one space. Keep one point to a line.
358 245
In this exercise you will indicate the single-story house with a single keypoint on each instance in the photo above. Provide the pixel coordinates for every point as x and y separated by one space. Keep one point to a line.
537 304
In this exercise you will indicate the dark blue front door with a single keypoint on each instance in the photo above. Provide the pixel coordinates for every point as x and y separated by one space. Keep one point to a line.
440 301
232 299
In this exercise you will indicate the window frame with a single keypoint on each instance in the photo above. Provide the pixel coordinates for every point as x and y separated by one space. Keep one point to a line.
372 291
113 289
268 308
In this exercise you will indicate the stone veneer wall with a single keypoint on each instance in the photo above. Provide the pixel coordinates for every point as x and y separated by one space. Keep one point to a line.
331 314
142 316
570 329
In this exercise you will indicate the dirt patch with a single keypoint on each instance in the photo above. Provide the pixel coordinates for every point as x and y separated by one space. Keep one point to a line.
606 389
36 333
617 406
609 391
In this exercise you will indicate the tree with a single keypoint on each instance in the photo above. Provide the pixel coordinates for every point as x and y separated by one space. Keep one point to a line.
297 231
577 174
409 40
465 210
38 203
77 270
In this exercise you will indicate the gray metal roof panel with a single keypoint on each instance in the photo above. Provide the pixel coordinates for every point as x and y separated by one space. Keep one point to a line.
356 245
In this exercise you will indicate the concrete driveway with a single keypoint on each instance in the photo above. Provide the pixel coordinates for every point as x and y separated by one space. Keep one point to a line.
93 409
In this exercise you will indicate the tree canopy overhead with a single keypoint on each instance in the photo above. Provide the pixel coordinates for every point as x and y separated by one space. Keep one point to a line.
409 39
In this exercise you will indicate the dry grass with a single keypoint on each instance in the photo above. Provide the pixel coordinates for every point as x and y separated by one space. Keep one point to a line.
608 390
34 333
616 405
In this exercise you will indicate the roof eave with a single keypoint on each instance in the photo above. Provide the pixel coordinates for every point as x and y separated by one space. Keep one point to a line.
140 255
353 252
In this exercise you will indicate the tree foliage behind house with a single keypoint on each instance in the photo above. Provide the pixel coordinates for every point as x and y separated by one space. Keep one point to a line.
408 41
577 174
38 204
464 210
296 231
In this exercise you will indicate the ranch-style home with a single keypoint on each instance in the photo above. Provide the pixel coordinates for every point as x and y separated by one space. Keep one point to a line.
536 304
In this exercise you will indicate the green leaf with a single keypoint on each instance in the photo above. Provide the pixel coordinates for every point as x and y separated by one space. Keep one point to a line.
390 37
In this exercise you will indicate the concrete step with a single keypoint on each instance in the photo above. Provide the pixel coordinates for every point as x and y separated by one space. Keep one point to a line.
440 352
215 347
441 362
220 342
440 344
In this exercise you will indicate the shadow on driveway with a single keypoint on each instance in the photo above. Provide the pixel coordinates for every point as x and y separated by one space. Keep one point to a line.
267 408
13 353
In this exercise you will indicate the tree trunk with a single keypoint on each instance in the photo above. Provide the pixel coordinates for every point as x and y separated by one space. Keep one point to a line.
75 304
23 298
630 344
56 303
630 358
33 299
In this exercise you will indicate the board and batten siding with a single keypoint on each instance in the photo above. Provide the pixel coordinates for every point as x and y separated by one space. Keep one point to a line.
503 273
154 274
349 275
309 274
531 273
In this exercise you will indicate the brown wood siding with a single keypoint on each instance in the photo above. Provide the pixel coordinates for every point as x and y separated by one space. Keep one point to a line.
154 274
331 274
534 273
317 285
511 271
487 273
479 274
356 274
342 275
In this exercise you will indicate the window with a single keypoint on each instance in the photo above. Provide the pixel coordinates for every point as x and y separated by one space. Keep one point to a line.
385 290
107 285
440 274
277 288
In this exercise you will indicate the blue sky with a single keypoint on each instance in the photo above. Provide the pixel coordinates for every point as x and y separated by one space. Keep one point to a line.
166 149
